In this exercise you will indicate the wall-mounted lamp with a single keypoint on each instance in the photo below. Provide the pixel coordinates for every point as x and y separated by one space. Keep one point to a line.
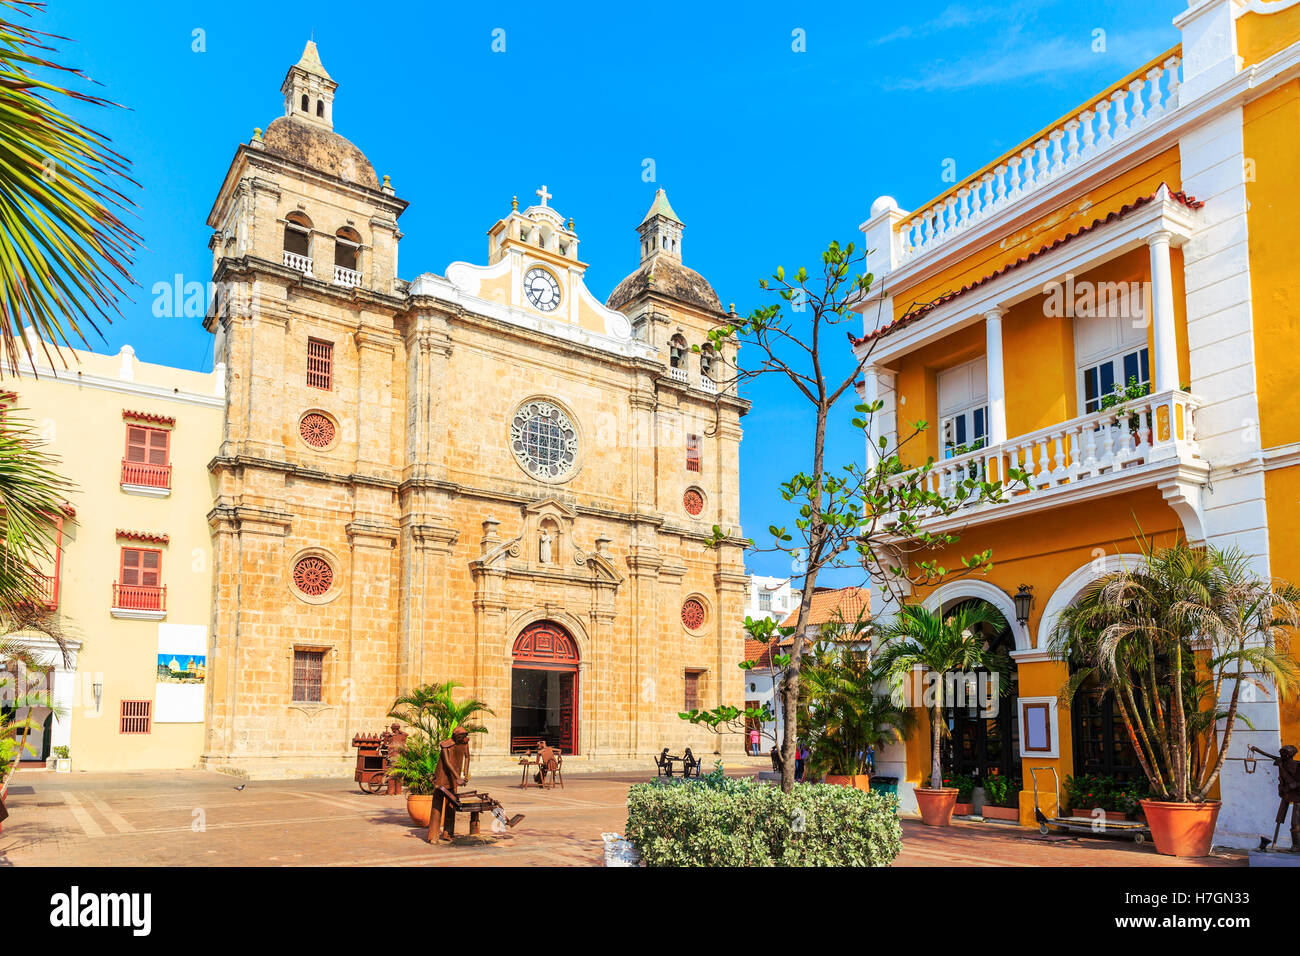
1024 601
99 697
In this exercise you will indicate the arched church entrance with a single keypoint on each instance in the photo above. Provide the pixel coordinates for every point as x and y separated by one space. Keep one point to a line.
979 745
544 689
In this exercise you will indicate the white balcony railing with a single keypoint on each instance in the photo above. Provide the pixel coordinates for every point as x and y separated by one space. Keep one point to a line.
296 262
678 375
1093 448
345 276
708 385
1107 119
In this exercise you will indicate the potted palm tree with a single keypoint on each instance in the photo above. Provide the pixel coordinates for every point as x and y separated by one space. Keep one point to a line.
937 643
1174 639
433 712
843 717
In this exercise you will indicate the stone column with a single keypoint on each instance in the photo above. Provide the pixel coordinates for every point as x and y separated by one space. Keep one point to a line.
1162 313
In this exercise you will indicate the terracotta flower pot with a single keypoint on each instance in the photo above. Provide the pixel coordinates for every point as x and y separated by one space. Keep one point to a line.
860 781
936 806
1182 829
419 806
963 809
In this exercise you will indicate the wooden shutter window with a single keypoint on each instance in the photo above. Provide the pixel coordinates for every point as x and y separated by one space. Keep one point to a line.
141 566
308 667
320 363
147 446
692 690
136 716
692 452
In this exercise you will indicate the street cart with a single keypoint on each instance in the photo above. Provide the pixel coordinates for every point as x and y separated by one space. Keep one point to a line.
1084 826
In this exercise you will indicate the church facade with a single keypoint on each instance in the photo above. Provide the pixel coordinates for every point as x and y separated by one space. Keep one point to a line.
488 476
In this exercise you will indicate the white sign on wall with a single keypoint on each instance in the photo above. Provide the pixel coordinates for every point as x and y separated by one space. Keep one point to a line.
182 671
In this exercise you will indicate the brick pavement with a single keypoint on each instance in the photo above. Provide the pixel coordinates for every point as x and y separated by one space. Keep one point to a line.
196 818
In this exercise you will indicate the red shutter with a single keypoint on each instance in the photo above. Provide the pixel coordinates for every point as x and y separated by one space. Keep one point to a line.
320 363
136 716
692 690
692 452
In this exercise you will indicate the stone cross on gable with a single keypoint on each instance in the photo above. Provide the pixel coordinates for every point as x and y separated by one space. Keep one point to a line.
543 194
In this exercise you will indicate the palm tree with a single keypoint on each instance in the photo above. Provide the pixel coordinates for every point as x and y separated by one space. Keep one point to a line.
843 717
1142 630
64 251
30 492
433 709
939 644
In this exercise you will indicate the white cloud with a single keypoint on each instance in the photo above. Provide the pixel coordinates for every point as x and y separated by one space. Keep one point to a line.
1020 59
958 16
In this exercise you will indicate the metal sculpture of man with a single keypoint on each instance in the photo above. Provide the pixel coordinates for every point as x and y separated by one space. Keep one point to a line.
451 775
1288 789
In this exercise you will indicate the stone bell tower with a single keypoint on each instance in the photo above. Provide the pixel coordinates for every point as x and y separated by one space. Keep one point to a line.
308 90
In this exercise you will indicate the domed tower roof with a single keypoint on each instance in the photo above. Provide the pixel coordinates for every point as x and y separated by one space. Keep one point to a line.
661 271
305 133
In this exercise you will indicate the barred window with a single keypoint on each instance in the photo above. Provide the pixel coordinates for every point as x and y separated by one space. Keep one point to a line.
692 452
307 669
320 363
136 716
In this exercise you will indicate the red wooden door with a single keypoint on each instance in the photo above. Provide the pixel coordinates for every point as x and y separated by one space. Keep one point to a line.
568 712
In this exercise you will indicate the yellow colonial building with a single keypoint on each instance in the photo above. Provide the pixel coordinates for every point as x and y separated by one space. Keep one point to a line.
131 585
488 475
1141 242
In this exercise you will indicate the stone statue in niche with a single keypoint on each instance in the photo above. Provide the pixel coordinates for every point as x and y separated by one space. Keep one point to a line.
545 549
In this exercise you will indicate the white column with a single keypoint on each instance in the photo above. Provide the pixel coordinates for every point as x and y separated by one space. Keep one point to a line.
996 380
1162 313
870 395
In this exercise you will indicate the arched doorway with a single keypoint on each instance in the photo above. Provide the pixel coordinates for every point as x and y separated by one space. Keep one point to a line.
544 689
976 744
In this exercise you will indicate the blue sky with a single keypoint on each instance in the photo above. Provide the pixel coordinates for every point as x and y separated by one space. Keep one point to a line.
767 153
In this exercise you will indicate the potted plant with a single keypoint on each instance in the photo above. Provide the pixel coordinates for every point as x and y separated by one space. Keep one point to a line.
965 786
433 711
62 759
842 716
1143 631
938 644
417 767
1003 798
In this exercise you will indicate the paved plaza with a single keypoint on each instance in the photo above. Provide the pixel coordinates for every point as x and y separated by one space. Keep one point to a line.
198 818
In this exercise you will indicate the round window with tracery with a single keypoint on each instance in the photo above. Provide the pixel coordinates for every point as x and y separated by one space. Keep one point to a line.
316 430
692 614
693 502
313 576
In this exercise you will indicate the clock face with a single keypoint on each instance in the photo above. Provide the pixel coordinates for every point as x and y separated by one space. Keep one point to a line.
542 290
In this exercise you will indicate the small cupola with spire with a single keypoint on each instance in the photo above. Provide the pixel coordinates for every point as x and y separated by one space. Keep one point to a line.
309 91
661 231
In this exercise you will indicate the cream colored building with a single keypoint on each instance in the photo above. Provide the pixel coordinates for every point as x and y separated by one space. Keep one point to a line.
487 475
133 582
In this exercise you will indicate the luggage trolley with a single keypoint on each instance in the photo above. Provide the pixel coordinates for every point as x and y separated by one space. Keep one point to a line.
1084 826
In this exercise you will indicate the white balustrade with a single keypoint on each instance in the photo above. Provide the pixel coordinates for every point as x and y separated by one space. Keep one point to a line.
677 374
1104 122
348 277
296 262
1090 448
708 385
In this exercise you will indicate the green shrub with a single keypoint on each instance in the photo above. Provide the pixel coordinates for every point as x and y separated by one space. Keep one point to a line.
743 823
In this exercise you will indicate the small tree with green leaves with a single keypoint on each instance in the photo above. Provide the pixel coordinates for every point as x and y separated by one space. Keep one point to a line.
434 710
865 516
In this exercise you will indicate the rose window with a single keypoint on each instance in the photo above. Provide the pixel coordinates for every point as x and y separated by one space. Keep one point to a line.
316 430
693 502
693 614
313 576
544 440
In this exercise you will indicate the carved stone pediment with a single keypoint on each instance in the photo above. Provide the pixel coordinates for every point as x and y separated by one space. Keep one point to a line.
546 546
